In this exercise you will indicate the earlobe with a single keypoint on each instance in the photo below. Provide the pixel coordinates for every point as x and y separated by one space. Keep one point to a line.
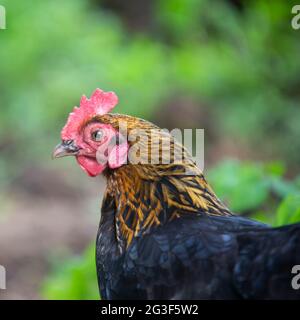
118 156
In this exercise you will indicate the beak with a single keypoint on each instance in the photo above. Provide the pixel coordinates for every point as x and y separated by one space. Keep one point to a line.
66 148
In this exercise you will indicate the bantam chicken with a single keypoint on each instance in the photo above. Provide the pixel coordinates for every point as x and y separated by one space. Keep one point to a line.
163 232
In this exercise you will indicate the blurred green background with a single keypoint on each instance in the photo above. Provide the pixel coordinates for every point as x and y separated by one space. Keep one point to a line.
231 67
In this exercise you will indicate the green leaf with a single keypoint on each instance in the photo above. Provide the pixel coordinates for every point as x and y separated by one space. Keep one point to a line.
288 211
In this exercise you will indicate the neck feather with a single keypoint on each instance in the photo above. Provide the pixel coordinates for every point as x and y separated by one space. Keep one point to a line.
149 196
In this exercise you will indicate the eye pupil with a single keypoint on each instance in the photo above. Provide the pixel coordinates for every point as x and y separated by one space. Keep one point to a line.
97 135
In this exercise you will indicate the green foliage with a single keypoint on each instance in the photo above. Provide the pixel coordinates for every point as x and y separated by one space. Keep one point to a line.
247 186
254 188
244 63
73 279
289 210
242 186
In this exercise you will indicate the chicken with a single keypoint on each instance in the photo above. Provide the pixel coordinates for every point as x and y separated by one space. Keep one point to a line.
163 232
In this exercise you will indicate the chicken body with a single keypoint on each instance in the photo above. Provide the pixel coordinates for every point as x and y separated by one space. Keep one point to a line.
193 256
163 232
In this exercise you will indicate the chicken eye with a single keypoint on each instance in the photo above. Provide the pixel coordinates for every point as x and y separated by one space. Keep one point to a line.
97 135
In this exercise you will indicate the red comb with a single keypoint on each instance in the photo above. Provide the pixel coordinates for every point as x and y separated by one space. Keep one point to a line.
100 103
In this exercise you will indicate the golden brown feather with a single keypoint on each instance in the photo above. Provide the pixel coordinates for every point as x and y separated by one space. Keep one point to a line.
148 195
